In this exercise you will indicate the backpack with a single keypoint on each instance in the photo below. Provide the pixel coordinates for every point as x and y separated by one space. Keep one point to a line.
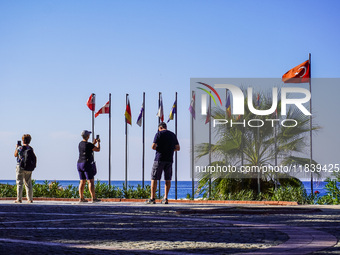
29 160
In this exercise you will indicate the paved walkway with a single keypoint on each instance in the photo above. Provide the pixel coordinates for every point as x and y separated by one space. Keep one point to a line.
46 227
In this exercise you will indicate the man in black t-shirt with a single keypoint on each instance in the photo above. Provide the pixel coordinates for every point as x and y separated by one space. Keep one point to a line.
165 143
85 165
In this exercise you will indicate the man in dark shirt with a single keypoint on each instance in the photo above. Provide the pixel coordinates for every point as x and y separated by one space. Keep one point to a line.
165 143
85 167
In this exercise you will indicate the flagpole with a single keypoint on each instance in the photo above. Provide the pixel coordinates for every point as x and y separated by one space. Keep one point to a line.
126 143
109 139
143 154
210 145
242 142
258 154
226 117
94 100
176 151
275 148
310 122
226 109
192 154
159 120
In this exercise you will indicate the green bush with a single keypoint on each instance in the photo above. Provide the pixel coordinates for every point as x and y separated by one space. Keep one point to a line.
291 189
55 190
243 195
288 193
103 190
7 190
137 193
333 193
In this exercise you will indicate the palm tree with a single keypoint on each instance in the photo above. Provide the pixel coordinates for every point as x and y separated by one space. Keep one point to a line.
255 146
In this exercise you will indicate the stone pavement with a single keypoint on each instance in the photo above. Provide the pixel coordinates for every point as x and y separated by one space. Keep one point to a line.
55 227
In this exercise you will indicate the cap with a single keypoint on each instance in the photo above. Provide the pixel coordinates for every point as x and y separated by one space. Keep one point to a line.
85 133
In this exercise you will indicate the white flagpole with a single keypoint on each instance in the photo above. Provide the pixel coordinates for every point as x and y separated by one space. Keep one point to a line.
94 101
126 144
143 156
159 121
310 122
109 139
210 145
192 154
176 151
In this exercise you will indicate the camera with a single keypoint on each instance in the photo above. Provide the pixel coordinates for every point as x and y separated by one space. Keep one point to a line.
97 137
19 143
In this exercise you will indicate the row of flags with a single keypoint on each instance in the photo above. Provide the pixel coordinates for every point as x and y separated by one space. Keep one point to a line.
298 74
106 109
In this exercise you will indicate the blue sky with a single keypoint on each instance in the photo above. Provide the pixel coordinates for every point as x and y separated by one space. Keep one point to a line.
54 54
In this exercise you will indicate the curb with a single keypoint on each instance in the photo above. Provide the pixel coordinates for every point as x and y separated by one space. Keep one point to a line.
282 203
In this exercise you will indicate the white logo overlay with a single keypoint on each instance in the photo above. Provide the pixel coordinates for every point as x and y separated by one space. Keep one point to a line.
236 113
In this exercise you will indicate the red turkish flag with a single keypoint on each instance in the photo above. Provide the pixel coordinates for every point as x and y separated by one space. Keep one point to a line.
91 103
298 74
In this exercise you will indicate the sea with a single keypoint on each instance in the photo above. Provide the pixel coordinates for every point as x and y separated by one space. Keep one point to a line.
183 187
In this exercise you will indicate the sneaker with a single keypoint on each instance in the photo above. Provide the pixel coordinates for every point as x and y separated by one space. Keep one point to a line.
82 200
96 200
165 201
150 201
18 201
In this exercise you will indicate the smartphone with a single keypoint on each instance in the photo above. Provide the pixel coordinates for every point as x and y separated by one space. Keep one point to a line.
97 137
19 143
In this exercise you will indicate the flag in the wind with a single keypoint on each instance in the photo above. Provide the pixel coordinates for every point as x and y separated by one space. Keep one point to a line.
227 106
128 113
173 111
140 116
91 103
160 112
192 106
104 109
298 74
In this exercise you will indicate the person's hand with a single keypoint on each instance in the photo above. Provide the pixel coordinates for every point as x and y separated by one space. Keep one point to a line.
96 141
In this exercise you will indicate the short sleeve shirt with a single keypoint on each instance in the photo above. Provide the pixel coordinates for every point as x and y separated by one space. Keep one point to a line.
85 152
166 142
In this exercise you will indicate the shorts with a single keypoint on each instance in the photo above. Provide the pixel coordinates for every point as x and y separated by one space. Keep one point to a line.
85 173
160 166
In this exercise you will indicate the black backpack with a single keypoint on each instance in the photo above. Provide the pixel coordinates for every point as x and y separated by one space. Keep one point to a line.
29 160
